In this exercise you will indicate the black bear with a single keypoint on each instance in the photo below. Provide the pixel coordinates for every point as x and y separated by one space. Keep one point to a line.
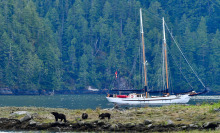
103 115
59 116
84 116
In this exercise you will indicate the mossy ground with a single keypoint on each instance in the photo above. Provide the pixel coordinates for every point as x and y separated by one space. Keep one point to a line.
197 131
179 114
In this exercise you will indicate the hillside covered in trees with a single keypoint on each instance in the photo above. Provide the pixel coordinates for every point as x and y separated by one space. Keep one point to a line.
72 44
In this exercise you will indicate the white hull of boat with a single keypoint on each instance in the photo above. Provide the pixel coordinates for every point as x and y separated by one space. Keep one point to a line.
181 99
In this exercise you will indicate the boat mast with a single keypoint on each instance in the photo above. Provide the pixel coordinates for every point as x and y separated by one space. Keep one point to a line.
144 60
165 52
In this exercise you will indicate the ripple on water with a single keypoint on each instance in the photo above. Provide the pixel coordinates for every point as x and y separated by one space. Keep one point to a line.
91 101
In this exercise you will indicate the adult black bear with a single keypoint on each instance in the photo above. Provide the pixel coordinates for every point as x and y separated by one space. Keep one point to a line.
59 116
84 116
103 115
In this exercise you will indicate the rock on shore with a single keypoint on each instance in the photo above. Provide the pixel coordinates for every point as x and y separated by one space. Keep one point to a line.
101 125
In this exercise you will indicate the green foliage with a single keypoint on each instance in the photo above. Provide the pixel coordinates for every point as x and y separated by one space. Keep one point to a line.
215 106
74 44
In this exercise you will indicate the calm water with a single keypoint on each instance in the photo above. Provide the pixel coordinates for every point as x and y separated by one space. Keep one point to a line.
76 101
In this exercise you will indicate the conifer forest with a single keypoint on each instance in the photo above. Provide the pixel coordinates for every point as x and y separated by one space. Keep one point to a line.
72 44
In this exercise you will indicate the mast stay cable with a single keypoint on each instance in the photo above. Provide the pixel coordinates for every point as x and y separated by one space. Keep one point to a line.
184 56
180 69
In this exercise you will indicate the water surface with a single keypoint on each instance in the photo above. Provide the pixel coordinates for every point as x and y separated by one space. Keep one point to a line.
91 101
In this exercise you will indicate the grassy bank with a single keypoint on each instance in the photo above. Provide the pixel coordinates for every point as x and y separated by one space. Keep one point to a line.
179 114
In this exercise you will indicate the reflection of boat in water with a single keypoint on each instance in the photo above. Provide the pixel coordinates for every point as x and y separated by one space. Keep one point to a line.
144 97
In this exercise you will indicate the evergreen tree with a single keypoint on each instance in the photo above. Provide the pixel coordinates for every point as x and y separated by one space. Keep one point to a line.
214 66
60 44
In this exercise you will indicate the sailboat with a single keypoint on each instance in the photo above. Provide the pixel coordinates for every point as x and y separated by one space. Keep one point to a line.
145 98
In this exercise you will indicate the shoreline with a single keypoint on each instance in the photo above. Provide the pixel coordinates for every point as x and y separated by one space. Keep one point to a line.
148 119
20 92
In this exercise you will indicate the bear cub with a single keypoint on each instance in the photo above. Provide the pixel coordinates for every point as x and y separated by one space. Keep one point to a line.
103 115
84 116
59 116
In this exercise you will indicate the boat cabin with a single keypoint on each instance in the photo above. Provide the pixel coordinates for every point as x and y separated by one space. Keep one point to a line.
131 95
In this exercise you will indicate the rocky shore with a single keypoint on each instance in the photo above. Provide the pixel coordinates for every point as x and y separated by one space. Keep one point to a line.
156 119
146 126
8 91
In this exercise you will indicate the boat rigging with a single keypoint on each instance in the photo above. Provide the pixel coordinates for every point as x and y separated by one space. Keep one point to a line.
145 98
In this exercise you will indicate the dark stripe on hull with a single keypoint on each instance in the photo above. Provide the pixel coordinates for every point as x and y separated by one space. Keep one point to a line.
153 100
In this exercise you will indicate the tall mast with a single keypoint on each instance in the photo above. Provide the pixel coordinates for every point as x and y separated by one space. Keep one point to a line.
165 52
144 60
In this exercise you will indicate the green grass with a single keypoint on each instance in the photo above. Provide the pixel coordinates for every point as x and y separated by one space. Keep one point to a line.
189 114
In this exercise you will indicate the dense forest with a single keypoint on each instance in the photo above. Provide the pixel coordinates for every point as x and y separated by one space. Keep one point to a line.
72 44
